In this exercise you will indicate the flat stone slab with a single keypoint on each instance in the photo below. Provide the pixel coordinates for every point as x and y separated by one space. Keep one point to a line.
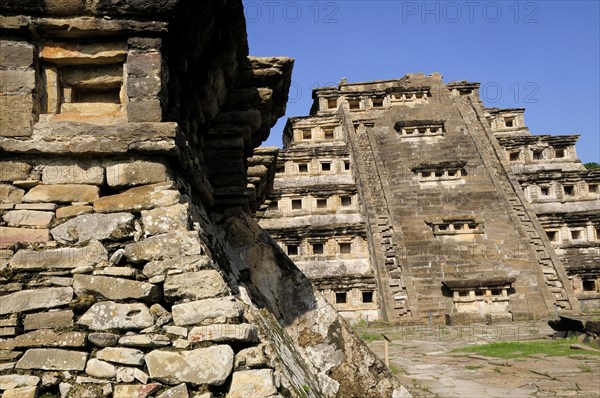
164 246
27 300
52 359
125 356
108 315
65 258
102 369
136 173
195 285
205 312
165 219
73 174
182 263
8 382
115 288
135 390
210 365
252 383
87 227
140 198
243 332
62 193
48 320
50 338
11 235
31 218
179 391
21 392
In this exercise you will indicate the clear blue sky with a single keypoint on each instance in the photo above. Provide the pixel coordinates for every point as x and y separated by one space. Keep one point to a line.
541 55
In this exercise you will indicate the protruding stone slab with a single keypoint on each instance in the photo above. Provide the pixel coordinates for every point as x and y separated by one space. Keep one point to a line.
65 258
8 382
136 173
28 218
78 54
165 246
115 288
182 263
72 211
205 312
48 320
50 338
27 300
62 193
52 359
165 219
135 390
210 365
243 332
108 315
100 227
9 236
124 356
195 285
145 340
252 383
140 198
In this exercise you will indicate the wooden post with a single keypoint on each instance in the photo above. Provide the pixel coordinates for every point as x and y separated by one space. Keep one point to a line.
386 351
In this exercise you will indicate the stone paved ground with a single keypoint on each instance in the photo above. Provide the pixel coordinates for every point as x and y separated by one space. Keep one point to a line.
422 358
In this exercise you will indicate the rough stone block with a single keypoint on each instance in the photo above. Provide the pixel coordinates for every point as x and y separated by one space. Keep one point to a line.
17 81
144 63
48 320
101 369
108 315
72 211
136 173
206 312
10 194
87 227
135 390
165 219
52 359
210 365
14 170
63 193
147 110
115 288
9 236
17 115
103 339
183 263
78 54
50 338
143 86
8 382
252 383
139 198
21 392
65 258
195 285
164 246
16 54
243 332
30 218
106 76
124 356
73 174
250 358
179 391
27 300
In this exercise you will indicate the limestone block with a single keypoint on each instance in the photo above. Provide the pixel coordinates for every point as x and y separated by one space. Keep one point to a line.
182 263
52 359
16 54
36 206
17 115
139 198
8 382
143 86
147 110
9 236
115 288
72 211
103 339
87 227
165 219
64 258
106 76
73 174
14 170
101 369
210 365
63 193
244 332
252 383
48 320
28 218
21 392
50 338
252 357
144 63
135 390
126 272
195 285
179 391
10 194
136 173
78 54
164 246
17 81
27 300
145 340
205 312
124 356
108 315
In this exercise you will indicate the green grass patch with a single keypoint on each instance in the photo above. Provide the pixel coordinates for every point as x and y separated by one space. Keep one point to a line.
369 337
473 367
586 368
519 349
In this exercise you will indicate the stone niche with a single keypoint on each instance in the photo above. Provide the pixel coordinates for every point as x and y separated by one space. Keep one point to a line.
407 129
463 228
446 173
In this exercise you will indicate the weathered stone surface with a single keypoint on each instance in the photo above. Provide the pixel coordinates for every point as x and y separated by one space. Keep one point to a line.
21 392
204 312
10 194
10 235
124 356
100 227
252 383
138 198
77 54
65 258
8 382
165 219
72 211
63 193
50 338
52 359
210 365
165 246
145 340
243 332
148 110
28 218
126 272
179 391
36 206
109 76
136 173
27 300
195 285
73 174
17 81
14 170
102 369
135 390
16 54
182 263
17 115
115 288
108 315
103 339
250 358
48 320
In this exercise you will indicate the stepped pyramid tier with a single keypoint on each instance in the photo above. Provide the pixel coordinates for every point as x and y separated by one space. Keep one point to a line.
408 199
130 264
